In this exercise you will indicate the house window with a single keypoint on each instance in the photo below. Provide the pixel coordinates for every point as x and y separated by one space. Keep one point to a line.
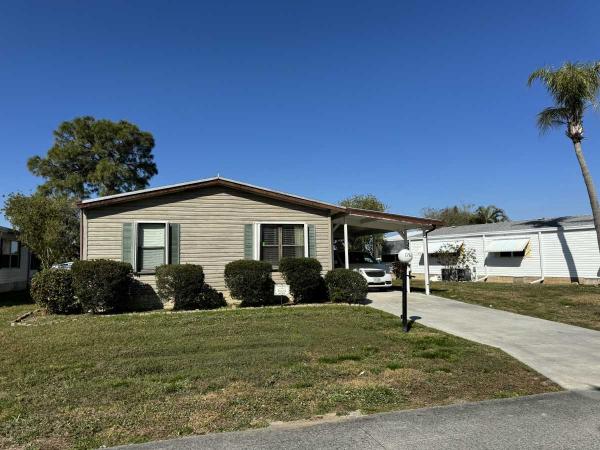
512 254
11 254
151 250
281 241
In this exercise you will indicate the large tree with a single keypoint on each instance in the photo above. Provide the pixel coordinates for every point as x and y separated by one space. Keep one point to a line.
490 214
451 215
574 88
371 244
48 226
95 157
466 214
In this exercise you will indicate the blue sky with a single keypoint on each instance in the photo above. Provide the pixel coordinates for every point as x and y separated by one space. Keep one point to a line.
420 103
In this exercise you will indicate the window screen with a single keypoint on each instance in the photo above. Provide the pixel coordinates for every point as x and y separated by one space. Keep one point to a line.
11 257
151 246
281 241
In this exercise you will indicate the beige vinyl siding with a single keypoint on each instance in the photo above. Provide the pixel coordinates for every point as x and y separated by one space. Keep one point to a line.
212 227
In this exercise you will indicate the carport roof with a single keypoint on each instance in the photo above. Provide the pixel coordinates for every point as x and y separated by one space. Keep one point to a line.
363 222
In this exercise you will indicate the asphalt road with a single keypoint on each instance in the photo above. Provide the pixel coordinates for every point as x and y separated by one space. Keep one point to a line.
563 420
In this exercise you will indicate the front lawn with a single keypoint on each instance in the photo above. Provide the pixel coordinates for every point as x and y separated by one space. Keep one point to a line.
86 381
567 303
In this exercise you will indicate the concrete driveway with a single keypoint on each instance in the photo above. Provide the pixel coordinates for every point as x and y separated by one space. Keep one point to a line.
564 420
568 355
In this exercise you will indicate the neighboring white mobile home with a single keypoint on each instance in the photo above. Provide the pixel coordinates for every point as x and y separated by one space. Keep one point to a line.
15 262
562 249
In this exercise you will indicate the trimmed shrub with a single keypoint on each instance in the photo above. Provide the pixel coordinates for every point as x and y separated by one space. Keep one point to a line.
102 285
346 285
210 298
180 283
250 281
304 277
53 290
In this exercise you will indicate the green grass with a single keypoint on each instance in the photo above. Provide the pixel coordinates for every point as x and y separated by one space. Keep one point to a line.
568 303
87 381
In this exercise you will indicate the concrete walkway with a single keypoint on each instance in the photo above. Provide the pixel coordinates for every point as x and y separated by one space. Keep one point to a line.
568 355
564 420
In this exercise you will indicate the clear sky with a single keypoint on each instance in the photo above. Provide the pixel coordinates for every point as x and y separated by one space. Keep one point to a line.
420 103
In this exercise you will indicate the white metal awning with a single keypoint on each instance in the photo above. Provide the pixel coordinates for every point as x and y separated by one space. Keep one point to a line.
506 245
435 247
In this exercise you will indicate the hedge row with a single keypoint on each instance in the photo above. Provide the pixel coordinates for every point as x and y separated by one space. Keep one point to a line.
104 286
250 281
90 286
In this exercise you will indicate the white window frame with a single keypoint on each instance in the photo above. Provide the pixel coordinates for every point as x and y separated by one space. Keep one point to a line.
136 247
257 225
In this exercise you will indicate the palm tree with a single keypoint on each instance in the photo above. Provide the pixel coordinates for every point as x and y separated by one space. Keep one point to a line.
490 214
574 88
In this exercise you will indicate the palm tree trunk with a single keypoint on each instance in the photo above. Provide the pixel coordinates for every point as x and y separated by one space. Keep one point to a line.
589 184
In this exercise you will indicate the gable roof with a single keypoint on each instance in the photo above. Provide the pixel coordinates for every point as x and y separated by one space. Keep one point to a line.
513 226
332 209
205 183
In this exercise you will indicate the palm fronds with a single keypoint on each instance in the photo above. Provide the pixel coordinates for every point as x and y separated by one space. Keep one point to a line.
552 117
573 87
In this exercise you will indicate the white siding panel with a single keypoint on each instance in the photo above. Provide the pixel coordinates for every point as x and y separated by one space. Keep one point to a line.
526 266
15 278
566 253
571 253
416 248
435 268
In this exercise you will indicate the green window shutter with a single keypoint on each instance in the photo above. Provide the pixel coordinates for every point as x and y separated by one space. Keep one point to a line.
312 242
248 241
174 232
127 244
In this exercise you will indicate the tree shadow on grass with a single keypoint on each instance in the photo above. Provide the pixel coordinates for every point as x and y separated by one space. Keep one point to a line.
15 298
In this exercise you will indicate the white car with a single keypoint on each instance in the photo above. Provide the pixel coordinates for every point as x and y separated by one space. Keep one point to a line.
66 265
376 273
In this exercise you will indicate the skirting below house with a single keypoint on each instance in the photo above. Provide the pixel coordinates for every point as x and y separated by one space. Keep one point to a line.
523 280
13 286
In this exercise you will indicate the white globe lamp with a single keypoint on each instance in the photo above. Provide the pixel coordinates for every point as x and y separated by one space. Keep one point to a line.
405 256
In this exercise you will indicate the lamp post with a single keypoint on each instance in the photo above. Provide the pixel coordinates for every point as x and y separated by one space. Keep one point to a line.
405 257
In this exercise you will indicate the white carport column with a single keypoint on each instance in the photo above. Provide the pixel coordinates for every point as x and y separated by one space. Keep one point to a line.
346 259
426 260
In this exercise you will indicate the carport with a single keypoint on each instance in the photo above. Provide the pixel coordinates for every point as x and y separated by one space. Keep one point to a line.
354 222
